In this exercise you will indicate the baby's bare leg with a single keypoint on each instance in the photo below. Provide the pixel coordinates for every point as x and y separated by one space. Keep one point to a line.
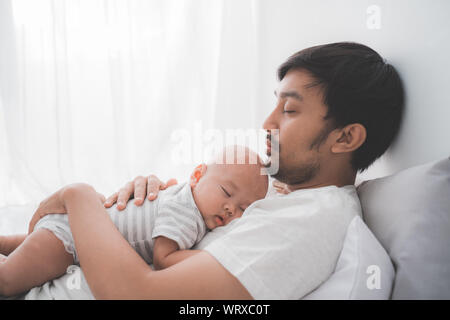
9 243
40 258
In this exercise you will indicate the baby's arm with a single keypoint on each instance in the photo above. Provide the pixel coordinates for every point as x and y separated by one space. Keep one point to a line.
166 253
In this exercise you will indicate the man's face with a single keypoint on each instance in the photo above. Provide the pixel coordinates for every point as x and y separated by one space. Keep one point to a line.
298 116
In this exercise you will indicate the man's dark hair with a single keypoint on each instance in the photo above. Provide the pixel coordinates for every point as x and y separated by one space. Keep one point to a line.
358 87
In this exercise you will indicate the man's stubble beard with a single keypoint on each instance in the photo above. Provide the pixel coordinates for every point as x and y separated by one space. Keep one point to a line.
298 173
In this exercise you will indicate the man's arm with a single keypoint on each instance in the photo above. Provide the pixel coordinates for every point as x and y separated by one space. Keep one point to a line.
166 253
114 270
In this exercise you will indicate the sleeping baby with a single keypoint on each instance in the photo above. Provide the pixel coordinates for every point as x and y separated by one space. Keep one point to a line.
159 230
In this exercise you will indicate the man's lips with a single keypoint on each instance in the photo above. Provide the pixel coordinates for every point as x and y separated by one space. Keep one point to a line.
269 145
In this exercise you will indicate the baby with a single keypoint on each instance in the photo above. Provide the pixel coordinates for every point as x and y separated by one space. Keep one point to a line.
159 230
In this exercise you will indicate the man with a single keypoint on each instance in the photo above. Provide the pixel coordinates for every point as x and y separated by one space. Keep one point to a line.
339 107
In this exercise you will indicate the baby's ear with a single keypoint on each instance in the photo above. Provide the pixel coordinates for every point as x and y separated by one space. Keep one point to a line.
198 172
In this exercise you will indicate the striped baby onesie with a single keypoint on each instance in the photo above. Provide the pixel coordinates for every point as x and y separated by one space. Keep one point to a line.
173 214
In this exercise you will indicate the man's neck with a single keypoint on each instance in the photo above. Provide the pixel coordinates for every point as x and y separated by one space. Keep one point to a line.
339 180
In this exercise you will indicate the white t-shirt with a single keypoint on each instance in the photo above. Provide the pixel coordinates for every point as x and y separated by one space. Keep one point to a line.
282 248
285 246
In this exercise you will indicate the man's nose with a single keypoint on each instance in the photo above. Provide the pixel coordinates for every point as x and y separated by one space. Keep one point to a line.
271 121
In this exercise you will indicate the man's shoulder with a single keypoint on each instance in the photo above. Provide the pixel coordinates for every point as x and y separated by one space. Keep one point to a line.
331 192
308 203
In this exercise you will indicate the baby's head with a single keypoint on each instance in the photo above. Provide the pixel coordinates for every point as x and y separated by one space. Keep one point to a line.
224 187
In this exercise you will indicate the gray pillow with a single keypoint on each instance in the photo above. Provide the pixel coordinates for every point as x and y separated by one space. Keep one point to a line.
409 213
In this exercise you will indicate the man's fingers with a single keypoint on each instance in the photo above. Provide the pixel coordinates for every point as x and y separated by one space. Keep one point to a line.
34 219
31 225
102 197
111 200
140 187
124 195
169 183
153 187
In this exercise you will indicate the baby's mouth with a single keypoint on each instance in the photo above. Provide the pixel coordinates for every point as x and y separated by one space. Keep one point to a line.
219 220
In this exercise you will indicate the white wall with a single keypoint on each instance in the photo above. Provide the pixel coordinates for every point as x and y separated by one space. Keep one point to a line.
414 36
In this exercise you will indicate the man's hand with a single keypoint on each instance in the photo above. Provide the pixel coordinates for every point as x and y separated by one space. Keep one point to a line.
51 205
139 188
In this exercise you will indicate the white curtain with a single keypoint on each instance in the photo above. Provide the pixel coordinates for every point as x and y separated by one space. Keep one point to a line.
93 90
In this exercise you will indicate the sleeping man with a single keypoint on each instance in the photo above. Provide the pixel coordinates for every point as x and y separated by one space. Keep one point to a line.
339 107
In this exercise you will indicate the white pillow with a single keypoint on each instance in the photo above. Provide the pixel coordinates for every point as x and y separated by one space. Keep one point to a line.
363 271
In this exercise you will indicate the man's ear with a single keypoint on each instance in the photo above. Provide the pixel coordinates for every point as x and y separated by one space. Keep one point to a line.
198 172
349 138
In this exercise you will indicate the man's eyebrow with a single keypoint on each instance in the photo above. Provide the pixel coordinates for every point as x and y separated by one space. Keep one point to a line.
289 94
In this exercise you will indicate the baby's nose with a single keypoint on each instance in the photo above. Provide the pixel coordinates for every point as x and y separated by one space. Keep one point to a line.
228 217
229 209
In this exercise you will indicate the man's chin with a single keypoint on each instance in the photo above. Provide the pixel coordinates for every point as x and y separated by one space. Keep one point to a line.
280 176
268 164
296 176
272 163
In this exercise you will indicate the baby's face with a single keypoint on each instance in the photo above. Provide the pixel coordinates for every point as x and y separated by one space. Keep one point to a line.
224 192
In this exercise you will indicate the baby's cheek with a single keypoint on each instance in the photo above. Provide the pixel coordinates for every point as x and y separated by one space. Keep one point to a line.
239 214
212 205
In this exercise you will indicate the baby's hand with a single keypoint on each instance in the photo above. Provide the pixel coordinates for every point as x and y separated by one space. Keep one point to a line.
281 187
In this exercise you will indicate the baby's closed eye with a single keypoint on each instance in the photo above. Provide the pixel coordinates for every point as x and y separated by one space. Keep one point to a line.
225 191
